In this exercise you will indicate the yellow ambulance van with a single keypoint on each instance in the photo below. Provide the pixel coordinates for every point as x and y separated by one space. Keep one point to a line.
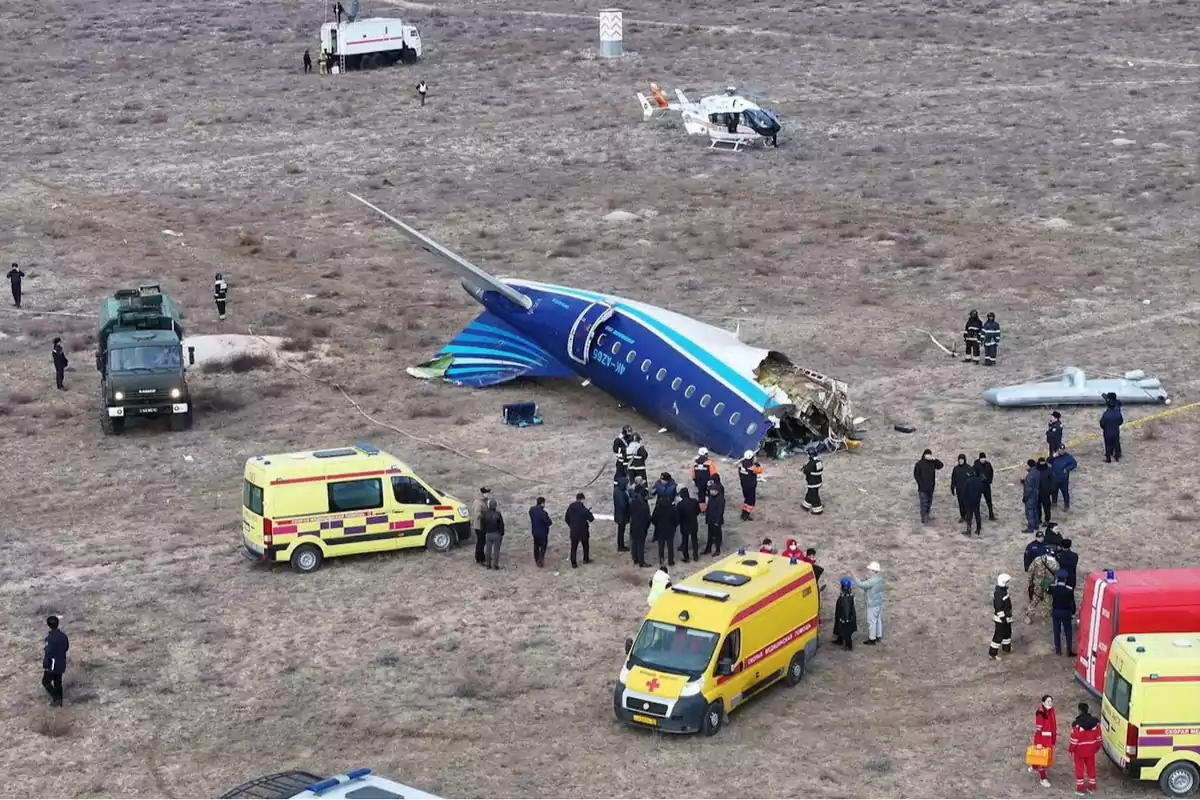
1151 709
308 506
716 639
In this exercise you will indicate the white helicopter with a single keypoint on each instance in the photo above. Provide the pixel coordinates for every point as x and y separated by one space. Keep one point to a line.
728 119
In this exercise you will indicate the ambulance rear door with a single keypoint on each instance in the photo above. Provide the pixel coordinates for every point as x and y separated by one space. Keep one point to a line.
1096 627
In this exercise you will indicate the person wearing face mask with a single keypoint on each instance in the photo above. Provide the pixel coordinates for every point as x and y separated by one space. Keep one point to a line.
1045 734
985 470
958 479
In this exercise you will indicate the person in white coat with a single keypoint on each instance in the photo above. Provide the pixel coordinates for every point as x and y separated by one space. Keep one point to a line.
873 588
660 583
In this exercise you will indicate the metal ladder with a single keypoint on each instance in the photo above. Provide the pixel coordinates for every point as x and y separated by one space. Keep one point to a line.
341 49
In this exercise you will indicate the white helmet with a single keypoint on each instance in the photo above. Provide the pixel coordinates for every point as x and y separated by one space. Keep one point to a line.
874 566
703 451
1002 579
748 454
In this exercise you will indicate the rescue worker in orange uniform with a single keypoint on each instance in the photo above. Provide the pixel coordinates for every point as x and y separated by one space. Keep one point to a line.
703 471
748 471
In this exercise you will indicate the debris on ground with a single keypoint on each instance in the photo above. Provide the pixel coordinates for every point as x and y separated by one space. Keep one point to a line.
521 415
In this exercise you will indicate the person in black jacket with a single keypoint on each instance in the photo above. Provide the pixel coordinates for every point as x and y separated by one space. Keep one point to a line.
60 362
845 617
1068 560
639 525
1035 549
621 509
1002 617
969 495
14 281
666 518
1054 434
958 477
983 468
972 334
539 524
636 458
714 516
688 509
1046 490
54 661
925 474
578 519
492 524
1062 610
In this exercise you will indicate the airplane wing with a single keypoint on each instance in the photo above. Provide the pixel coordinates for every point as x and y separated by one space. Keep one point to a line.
477 279
488 352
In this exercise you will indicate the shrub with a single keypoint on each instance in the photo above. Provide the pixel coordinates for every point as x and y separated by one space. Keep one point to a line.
240 363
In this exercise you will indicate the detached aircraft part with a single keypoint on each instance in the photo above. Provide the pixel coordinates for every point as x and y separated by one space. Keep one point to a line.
695 379
1074 388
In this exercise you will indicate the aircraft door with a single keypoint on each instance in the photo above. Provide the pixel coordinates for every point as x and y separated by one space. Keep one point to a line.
579 343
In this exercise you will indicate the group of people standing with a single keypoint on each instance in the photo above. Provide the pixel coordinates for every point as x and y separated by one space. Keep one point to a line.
1085 743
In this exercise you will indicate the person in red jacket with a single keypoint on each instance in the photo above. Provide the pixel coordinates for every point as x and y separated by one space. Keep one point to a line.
1045 733
1085 744
791 549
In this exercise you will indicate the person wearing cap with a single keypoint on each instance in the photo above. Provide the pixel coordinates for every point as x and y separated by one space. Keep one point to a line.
984 469
14 282
970 493
748 471
1054 434
1110 425
1085 743
688 509
539 523
1068 560
814 472
1062 464
958 477
1054 538
1062 611
972 333
1002 617
478 506
845 617
1035 548
54 661
873 588
703 470
925 475
60 362
1029 495
493 534
990 333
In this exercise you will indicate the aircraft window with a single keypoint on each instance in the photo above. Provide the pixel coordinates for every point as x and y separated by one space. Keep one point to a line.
600 339
616 348
734 417
646 365
718 409
751 428
691 390
704 401
675 384
661 375
629 359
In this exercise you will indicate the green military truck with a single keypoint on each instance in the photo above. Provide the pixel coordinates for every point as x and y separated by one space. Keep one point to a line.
139 353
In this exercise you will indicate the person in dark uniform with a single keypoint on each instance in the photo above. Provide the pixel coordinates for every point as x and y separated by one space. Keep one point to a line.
54 661
983 468
970 493
666 518
14 282
714 517
1054 434
1046 491
703 470
1110 424
637 459
539 524
493 534
478 507
748 471
971 336
220 293
1002 617
639 525
1068 560
991 340
1035 549
422 89
60 362
845 617
688 510
958 479
1062 610
814 472
621 510
620 448
579 517
307 63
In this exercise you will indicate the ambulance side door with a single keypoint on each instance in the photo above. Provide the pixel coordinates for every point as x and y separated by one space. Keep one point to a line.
357 508
413 511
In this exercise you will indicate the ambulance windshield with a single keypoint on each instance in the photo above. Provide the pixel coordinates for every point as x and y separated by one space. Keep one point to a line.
673 648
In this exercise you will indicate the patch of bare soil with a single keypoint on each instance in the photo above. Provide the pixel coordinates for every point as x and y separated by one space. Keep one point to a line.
925 147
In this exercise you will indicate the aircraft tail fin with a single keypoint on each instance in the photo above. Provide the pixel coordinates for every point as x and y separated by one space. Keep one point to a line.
488 352
648 108
683 101
476 280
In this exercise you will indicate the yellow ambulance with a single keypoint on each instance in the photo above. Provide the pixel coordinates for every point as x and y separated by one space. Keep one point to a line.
1151 709
308 506
716 639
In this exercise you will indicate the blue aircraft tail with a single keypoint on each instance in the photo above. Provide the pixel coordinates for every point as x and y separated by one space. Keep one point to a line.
488 352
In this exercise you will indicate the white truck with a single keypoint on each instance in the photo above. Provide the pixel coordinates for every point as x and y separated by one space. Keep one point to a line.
373 42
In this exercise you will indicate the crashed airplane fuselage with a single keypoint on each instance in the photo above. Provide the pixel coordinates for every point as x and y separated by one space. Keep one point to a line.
692 378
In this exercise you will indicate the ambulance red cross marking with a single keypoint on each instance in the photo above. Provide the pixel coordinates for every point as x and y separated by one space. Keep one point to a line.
652 684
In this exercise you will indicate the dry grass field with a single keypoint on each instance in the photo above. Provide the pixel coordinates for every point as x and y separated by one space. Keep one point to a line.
936 157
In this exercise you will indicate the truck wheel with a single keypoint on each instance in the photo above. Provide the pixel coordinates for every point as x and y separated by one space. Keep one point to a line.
714 716
181 422
440 539
307 558
112 426
796 670
1179 779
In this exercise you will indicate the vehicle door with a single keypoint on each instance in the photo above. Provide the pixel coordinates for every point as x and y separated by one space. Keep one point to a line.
357 521
413 511
730 672
584 331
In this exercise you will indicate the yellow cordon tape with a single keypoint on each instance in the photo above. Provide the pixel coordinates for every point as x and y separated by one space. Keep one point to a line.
1091 437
